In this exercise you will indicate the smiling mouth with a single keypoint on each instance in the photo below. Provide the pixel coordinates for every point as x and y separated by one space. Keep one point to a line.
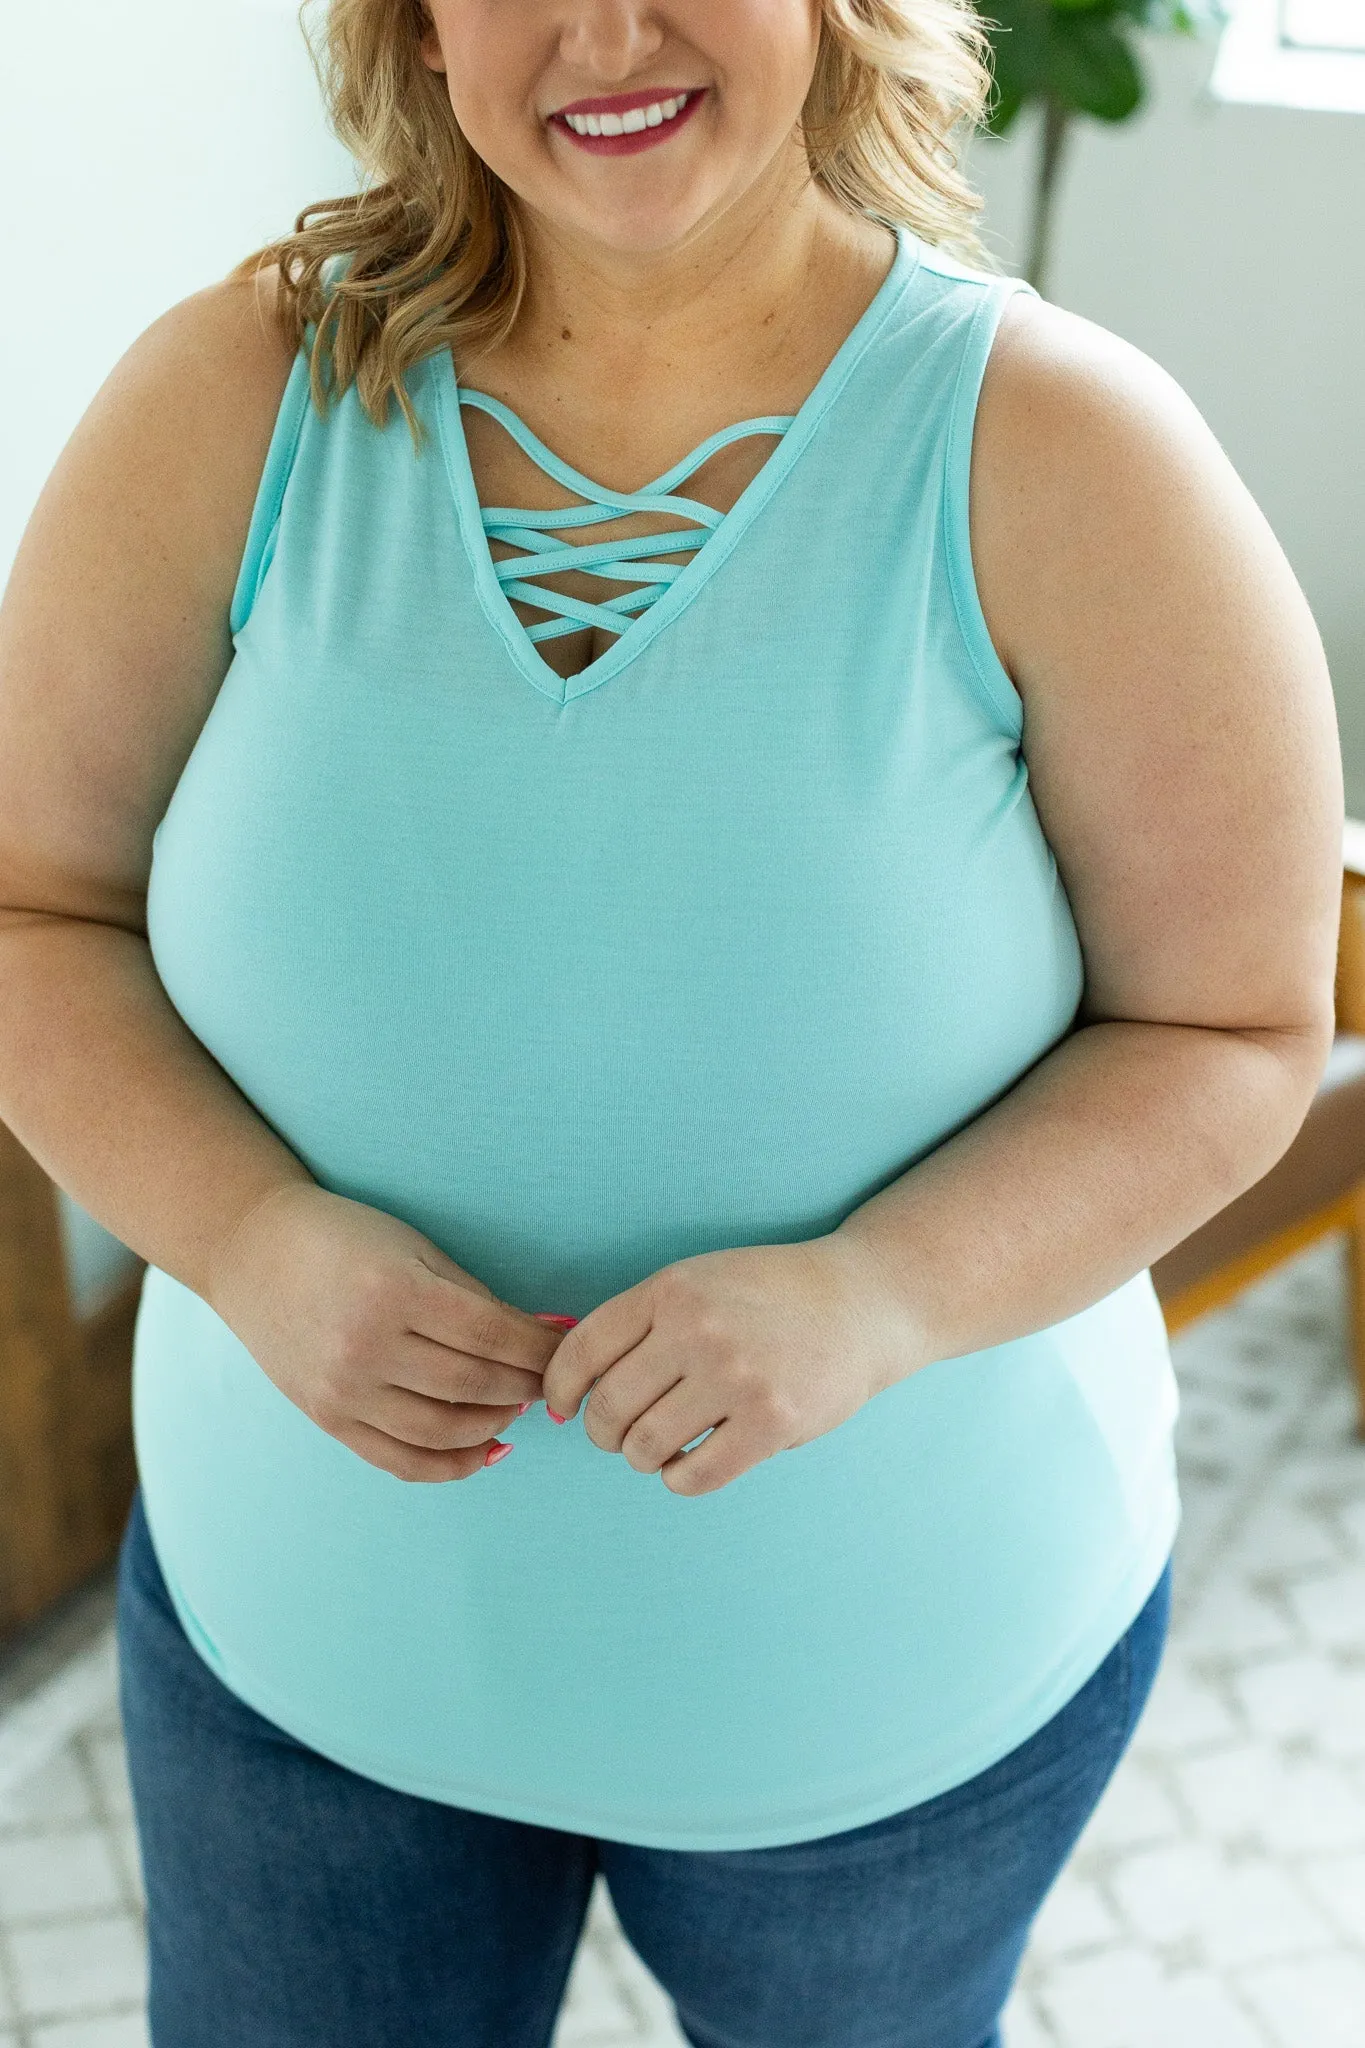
625 120
629 120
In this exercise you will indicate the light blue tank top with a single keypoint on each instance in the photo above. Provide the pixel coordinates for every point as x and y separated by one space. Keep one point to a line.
700 947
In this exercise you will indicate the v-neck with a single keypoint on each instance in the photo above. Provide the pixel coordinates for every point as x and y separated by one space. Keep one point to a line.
712 547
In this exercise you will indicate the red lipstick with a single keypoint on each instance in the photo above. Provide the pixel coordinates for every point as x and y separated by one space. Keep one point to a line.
622 103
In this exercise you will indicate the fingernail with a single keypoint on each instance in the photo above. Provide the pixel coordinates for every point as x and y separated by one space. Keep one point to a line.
567 1322
496 1451
523 1407
553 1417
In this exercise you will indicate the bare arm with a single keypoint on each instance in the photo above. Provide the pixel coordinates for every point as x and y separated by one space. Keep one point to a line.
1181 740
113 642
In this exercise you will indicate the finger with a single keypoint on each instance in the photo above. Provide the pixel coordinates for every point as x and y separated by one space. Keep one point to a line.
435 1425
482 1327
446 1374
719 1458
600 1338
627 1391
406 1461
678 1417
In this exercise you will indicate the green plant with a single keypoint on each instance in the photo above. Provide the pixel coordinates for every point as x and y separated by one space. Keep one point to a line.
1075 57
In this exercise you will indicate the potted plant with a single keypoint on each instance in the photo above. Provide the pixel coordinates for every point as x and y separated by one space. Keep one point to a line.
1075 57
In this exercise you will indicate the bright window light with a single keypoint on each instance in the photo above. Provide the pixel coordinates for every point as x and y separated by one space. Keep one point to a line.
1293 53
1323 24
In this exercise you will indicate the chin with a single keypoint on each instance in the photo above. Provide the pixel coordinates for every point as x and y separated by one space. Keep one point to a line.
650 231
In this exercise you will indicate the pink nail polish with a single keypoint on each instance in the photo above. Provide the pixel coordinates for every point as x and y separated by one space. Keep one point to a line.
523 1407
496 1451
553 1417
565 1322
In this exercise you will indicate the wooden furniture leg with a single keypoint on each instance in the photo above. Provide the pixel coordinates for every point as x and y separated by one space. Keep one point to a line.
1355 1271
66 1452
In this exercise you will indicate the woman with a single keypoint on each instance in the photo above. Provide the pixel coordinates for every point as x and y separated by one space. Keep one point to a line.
765 996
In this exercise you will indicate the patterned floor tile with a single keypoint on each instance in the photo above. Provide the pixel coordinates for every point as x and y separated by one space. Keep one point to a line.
125 2030
1225 1909
1129 1999
77 1966
1023 2026
47 1874
1319 2008
58 1793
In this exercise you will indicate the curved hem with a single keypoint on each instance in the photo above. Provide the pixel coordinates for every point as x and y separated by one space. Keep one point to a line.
911 1789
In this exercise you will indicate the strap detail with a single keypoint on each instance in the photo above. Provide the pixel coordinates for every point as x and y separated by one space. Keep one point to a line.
610 559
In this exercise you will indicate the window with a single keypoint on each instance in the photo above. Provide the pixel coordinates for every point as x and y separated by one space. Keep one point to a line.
1293 53
1322 24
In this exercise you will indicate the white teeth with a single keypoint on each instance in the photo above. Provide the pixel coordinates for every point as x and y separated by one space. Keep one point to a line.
652 116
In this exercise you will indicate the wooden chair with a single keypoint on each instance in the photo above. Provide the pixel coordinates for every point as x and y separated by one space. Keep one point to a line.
1319 1184
66 1445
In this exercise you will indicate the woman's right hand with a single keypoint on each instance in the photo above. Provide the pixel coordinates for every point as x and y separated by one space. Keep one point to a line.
375 1334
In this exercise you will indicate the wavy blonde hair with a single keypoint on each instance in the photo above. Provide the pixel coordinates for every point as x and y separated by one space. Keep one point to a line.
437 255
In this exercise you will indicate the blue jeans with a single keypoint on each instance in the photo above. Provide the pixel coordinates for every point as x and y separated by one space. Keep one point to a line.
294 1904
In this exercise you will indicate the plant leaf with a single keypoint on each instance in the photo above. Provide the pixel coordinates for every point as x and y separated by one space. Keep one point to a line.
1174 17
1092 69
1020 47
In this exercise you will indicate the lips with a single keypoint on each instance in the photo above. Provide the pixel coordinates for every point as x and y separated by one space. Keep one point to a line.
631 142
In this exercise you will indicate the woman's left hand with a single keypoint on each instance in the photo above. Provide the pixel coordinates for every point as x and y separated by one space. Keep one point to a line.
766 1346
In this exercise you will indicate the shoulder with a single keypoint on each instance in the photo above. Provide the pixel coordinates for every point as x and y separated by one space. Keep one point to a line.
114 620
1180 733
174 441
1092 469
1070 396
233 322
204 382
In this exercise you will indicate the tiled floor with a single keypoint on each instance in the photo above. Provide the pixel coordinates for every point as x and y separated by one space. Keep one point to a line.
1217 1898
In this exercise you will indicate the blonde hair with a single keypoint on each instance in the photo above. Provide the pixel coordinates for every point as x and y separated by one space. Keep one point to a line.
437 256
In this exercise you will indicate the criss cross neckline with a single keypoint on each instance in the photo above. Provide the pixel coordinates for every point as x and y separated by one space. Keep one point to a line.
617 561
642 615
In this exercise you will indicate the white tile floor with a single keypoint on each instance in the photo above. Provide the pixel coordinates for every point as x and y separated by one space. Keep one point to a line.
1217 1897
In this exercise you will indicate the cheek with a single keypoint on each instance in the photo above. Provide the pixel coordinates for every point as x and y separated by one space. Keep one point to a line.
490 81
500 133
765 55
772 38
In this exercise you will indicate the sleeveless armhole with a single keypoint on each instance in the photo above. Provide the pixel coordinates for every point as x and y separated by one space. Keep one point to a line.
997 689
265 516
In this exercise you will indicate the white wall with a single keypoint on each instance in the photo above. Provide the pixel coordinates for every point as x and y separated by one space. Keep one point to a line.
1228 242
145 146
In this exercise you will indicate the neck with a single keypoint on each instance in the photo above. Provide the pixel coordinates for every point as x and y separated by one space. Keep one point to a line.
638 318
